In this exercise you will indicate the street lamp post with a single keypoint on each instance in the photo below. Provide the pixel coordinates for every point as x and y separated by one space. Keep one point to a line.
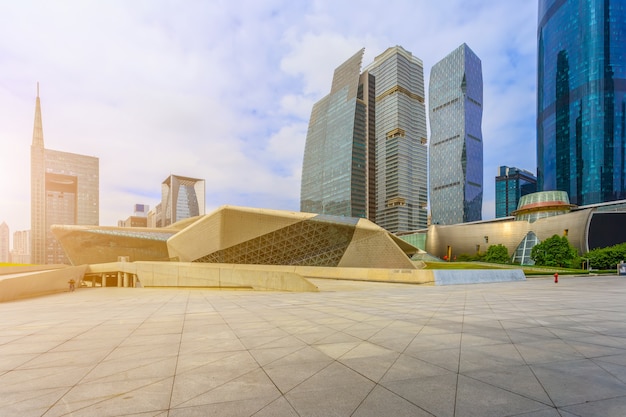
588 267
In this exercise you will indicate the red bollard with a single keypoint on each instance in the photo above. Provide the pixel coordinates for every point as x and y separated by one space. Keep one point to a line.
556 277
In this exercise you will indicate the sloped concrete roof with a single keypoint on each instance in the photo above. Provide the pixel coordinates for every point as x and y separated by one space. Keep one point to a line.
242 235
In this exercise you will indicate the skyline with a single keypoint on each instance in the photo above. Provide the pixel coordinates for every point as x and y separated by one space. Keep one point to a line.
224 91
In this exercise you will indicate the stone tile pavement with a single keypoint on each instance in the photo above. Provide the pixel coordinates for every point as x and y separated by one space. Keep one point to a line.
532 349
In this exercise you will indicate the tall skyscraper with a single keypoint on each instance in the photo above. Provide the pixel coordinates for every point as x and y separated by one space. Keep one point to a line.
5 249
401 146
181 198
511 184
64 190
581 99
339 154
455 101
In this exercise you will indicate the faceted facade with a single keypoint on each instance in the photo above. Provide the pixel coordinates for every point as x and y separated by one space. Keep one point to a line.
581 100
89 244
181 198
456 144
240 235
511 184
64 190
338 154
401 149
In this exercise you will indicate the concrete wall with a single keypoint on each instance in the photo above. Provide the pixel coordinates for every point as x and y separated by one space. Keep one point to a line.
191 274
405 276
467 237
258 277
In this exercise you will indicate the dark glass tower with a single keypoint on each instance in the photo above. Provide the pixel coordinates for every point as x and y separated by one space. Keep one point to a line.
511 184
456 140
581 99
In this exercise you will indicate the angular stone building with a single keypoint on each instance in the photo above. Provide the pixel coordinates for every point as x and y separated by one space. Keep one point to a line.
237 235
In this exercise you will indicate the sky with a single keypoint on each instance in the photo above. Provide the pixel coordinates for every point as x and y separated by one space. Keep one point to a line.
223 90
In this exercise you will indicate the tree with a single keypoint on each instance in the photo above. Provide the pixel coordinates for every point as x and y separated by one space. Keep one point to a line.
554 251
498 254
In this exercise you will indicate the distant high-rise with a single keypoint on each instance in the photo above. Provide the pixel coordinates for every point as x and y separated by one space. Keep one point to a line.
64 190
21 247
181 198
141 210
138 219
5 249
581 99
455 102
401 147
511 184
339 164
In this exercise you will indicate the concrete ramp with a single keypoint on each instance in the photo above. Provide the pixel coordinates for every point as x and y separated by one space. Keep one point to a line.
36 281
476 276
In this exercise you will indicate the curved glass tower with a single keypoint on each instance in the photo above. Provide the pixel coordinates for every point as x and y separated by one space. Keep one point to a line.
581 99
338 153
455 100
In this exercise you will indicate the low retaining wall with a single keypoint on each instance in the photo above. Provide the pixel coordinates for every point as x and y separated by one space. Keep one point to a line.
258 277
204 275
404 276
476 276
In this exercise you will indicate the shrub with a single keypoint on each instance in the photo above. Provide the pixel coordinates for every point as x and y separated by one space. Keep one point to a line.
607 258
498 254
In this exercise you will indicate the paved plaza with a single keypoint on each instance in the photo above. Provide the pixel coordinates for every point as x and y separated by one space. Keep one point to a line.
532 348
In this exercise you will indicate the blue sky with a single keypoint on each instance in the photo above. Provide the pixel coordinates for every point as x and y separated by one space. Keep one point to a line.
223 90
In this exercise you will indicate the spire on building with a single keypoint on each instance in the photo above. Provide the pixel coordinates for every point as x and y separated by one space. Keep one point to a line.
38 128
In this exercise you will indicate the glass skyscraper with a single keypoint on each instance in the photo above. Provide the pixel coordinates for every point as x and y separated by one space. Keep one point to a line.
64 190
511 184
339 151
456 145
581 99
401 146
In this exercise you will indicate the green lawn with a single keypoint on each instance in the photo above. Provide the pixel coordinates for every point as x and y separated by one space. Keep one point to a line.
460 265
528 270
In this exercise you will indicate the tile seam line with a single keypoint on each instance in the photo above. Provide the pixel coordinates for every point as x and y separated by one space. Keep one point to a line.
529 366
180 342
208 301
96 365
458 369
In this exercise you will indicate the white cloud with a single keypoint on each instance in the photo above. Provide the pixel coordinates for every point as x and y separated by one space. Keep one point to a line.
314 57
223 90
